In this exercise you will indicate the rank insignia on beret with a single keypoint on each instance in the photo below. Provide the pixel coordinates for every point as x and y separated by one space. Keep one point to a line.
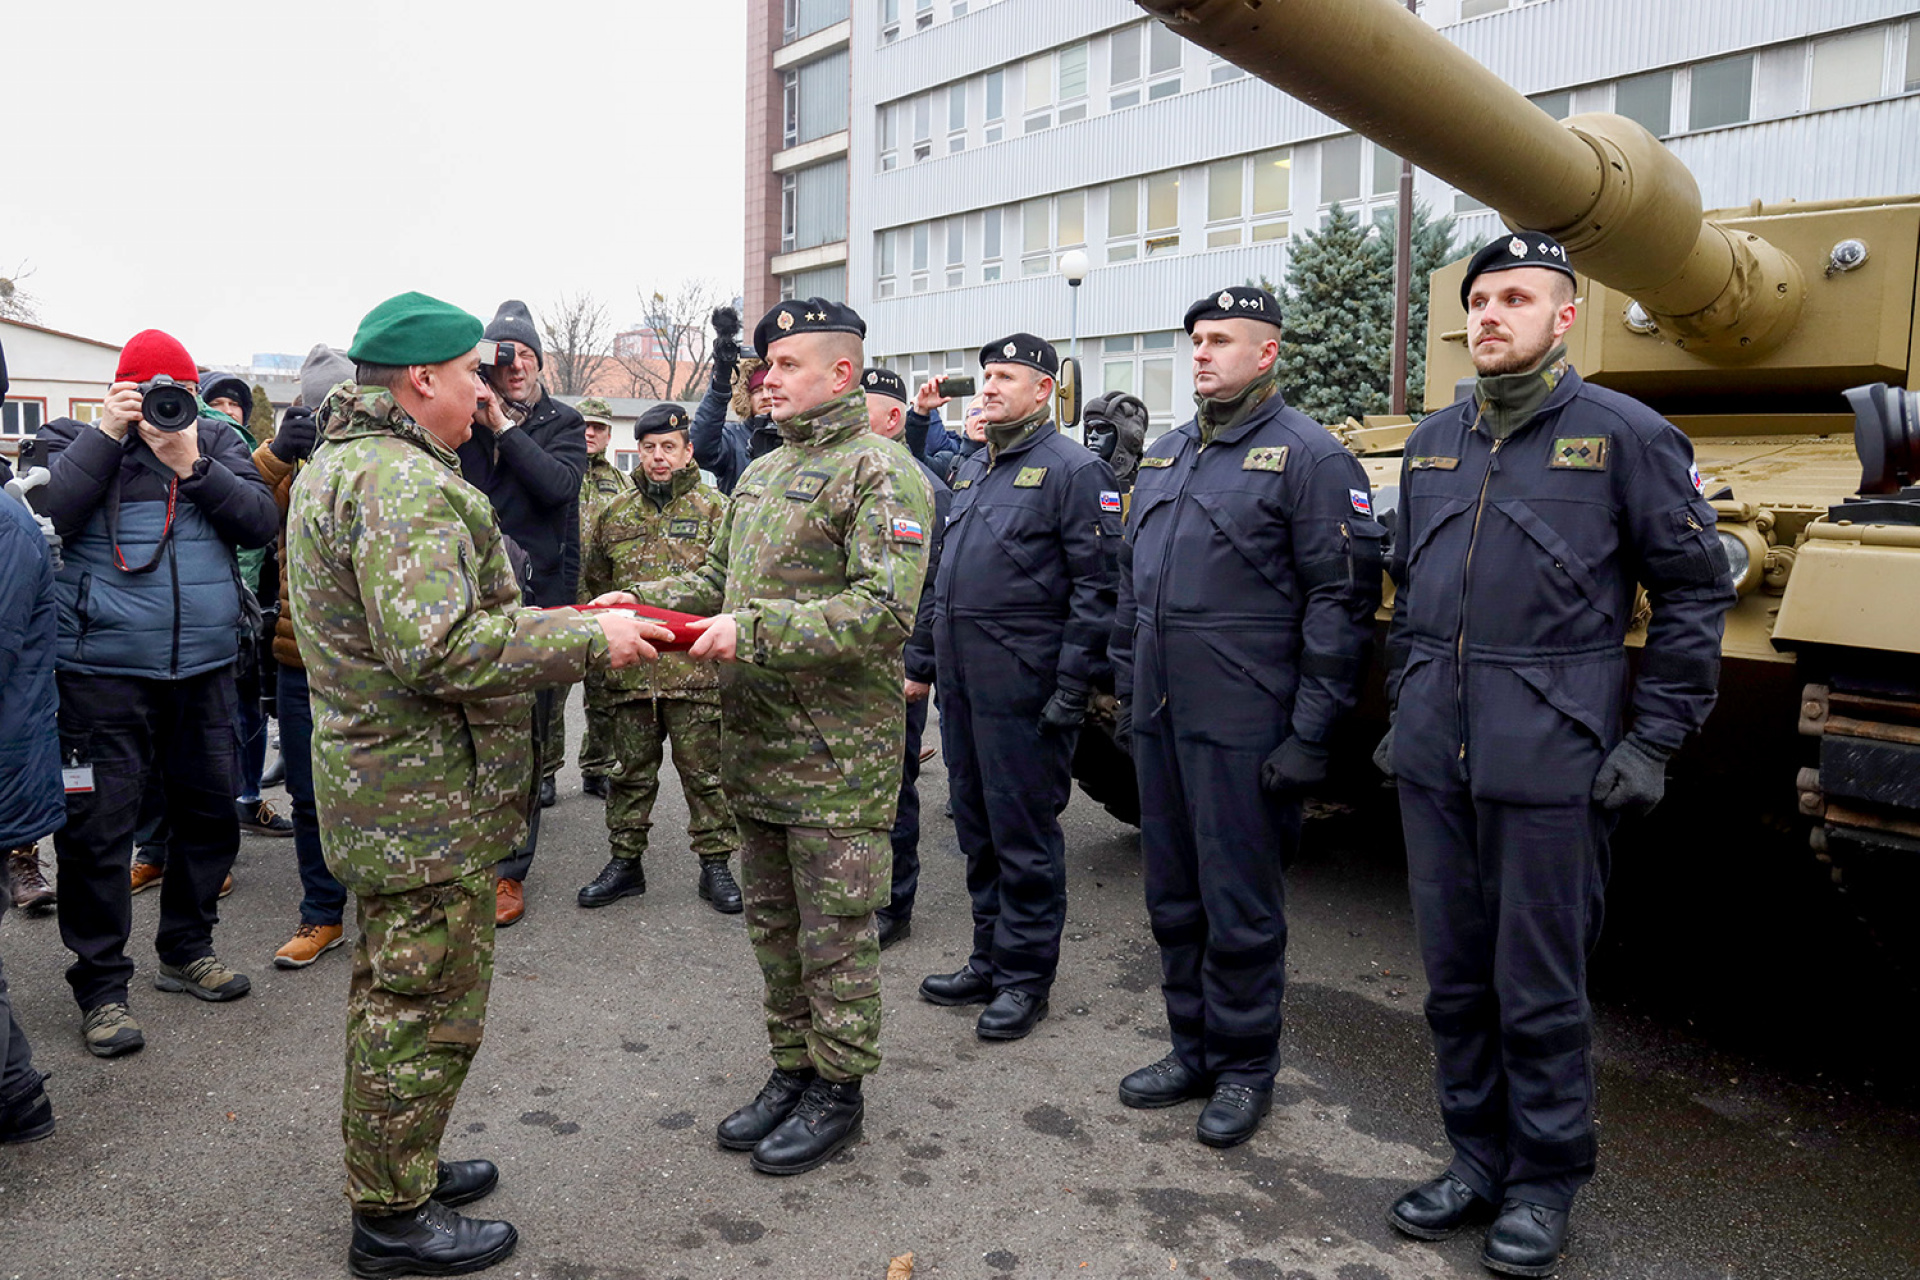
1362 501
1010 350
1265 458
1110 501
1030 478
1517 247
1225 299
1579 453
1430 462
905 529
873 379
785 322
1155 460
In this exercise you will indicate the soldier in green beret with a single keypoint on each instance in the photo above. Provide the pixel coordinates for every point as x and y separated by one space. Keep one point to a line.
601 485
421 662
814 578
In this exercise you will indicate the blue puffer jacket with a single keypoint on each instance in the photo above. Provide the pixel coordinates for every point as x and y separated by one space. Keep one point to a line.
32 800
183 618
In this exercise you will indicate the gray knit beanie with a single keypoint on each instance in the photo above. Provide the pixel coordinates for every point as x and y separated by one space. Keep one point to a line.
514 323
322 371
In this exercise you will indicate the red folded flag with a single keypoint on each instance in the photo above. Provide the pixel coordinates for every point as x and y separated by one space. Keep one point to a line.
683 636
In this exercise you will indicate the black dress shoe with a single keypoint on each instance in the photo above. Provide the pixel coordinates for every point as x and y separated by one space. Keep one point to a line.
743 1130
1166 1083
1436 1210
964 987
432 1240
892 928
594 784
827 1119
620 878
464 1181
548 796
1011 1016
276 774
28 1119
718 886
1525 1240
1233 1114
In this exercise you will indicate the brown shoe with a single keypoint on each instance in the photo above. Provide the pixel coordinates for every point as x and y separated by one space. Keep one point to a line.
509 905
226 886
146 875
31 892
309 943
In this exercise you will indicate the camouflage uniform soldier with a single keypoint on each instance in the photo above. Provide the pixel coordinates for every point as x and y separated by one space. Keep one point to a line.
421 662
815 574
599 488
655 532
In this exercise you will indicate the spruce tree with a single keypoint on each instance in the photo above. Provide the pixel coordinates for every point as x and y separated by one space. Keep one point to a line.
1338 311
1432 249
260 422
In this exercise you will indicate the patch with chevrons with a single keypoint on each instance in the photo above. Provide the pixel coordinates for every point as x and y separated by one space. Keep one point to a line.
1155 460
1579 453
1265 458
1431 462
1030 478
807 485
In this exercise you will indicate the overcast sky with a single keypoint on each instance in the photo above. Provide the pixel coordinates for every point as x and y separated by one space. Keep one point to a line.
255 176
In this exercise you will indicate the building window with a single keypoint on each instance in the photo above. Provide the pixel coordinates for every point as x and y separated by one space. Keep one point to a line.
789 108
1647 99
922 127
1722 93
1340 170
1072 65
789 211
1124 70
957 117
816 100
996 103
1847 69
1164 52
1039 100
990 245
889 21
1036 237
922 14
886 263
1143 217
1386 171
889 132
1142 366
22 417
1474 8
1219 71
628 459
88 411
820 205
921 233
1249 197
1070 220
790 20
956 252
1558 105
1913 55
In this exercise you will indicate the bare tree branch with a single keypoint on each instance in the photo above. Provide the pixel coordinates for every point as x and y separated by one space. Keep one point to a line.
669 356
16 303
576 334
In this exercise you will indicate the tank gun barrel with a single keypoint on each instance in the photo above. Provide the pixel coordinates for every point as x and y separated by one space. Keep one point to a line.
1624 206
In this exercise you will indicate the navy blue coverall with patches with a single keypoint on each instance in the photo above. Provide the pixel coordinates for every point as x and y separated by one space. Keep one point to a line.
1023 605
1249 579
1516 562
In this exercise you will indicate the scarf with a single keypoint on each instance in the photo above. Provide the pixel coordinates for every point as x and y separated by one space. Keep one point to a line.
1217 417
1509 401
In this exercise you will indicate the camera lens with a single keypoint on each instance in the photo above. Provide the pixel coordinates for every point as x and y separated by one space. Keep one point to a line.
169 408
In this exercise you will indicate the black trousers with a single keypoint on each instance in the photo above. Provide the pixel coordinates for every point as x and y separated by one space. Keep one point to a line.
516 864
1508 903
127 728
906 823
1009 782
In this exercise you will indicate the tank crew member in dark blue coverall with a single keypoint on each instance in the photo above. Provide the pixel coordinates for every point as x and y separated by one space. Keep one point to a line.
887 415
1022 608
1248 583
1528 513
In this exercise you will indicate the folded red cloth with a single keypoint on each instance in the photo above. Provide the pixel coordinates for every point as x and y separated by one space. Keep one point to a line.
683 636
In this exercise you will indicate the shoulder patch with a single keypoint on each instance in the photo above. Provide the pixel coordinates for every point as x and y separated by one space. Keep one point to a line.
1265 458
1578 453
1155 460
1362 500
686 527
1432 462
958 485
907 529
807 485
1110 500
1693 474
1030 478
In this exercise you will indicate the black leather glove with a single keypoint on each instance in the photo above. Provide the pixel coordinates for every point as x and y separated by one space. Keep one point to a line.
1383 754
1632 777
295 438
1123 726
726 337
1065 710
1293 767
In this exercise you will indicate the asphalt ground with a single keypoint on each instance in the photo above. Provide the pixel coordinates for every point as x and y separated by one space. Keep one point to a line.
1758 1114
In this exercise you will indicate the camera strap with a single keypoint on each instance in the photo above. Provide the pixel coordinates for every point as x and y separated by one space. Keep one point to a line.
113 524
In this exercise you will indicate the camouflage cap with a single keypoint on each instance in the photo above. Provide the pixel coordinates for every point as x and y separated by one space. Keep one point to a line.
412 328
596 410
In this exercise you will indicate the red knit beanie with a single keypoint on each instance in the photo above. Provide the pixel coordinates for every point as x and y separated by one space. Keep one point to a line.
757 377
150 353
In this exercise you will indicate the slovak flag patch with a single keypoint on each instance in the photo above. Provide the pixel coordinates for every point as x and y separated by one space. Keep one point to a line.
908 530
1362 501
1693 474
1110 501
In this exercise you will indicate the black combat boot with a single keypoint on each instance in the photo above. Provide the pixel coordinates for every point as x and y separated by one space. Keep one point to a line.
1436 1210
594 784
892 929
27 1118
964 987
743 1130
549 797
1166 1083
827 1119
620 878
1233 1114
718 887
1011 1016
431 1240
1525 1240
464 1181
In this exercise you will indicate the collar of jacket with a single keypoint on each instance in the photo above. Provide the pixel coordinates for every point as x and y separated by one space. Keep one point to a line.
840 418
1011 437
676 485
600 461
372 411
1220 420
1507 402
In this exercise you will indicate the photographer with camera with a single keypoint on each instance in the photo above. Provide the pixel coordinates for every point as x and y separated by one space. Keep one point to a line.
723 447
527 454
152 501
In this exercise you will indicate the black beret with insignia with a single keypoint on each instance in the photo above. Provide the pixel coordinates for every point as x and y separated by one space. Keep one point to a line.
1242 302
662 417
884 382
1022 348
806 315
1521 249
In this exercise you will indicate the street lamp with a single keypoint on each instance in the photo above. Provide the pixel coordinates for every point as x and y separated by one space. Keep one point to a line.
1074 265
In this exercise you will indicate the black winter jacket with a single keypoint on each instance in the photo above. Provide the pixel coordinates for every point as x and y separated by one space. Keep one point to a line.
531 474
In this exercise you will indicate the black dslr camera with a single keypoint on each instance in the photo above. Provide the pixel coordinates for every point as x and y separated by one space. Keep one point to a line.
497 355
169 405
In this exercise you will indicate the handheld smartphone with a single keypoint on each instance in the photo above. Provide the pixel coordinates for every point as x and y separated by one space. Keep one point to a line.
957 386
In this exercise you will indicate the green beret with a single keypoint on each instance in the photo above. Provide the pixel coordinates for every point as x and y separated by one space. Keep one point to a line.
414 329
594 409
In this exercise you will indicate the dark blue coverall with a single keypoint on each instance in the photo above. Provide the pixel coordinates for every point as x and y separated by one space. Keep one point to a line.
1023 605
1516 562
920 667
1248 583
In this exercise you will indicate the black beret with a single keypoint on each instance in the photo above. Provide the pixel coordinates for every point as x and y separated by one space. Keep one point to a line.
884 382
1241 302
806 315
1022 348
1522 249
662 417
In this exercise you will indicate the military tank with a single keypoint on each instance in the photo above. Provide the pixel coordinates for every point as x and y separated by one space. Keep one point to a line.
1776 336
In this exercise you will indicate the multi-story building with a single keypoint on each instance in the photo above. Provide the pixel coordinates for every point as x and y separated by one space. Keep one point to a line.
931 161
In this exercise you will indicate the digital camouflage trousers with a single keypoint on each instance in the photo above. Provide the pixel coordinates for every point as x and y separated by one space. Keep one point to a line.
637 734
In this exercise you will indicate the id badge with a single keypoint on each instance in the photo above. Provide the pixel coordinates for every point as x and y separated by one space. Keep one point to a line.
78 778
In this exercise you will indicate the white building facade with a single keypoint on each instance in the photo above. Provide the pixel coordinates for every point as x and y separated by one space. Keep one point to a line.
982 141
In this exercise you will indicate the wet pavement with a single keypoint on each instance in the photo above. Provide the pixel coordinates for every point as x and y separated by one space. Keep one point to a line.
1759 1116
